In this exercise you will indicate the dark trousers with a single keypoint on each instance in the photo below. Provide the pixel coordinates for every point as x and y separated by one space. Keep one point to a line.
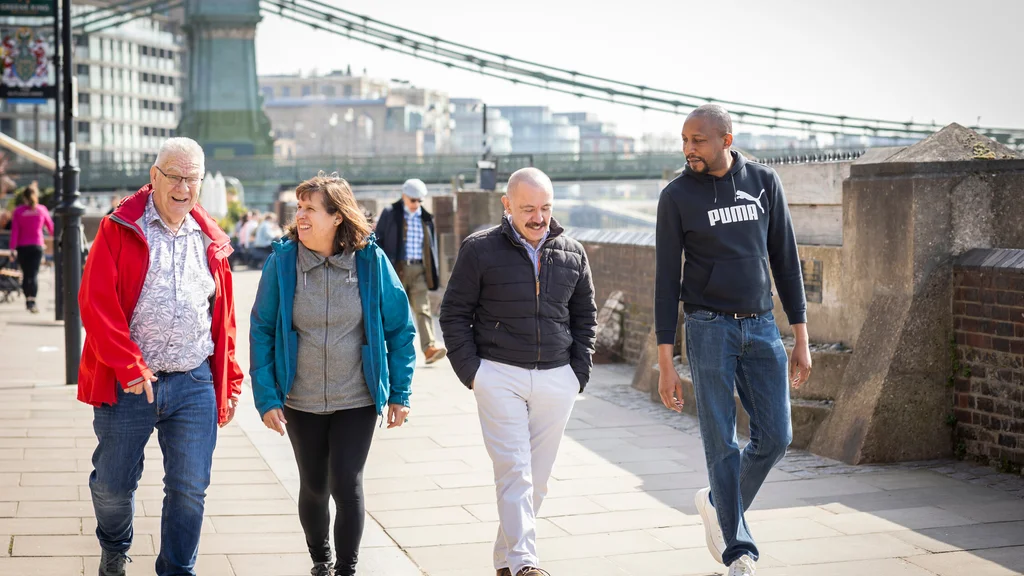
331 451
29 259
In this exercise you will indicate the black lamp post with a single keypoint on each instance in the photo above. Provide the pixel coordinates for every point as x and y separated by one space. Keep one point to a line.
71 211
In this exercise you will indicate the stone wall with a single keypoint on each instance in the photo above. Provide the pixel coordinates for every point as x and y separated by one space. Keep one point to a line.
905 221
624 261
829 319
988 373
444 226
814 192
476 210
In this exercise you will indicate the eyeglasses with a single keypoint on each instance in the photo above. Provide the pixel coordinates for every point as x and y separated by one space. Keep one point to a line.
175 179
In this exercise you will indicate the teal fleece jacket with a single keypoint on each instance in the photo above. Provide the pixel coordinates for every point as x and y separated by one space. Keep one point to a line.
388 357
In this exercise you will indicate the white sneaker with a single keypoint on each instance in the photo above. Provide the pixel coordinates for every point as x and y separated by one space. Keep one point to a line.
712 530
743 566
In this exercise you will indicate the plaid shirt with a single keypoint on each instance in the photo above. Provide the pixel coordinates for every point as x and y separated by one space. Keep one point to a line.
414 234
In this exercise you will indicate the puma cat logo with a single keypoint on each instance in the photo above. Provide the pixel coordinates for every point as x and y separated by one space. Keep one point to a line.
741 195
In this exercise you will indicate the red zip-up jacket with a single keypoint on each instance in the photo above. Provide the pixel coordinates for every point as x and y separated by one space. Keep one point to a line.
111 285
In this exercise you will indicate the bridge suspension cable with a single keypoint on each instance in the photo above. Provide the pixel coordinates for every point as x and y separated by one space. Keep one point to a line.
115 15
454 55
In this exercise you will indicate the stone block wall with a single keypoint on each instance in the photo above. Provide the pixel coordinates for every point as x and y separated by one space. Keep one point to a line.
988 370
475 210
624 261
444 225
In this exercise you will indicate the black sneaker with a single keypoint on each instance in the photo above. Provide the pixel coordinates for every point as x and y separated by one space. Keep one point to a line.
32 308
321 569
112 563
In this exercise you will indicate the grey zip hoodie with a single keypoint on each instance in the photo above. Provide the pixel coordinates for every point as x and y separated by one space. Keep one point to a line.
328 319
733 229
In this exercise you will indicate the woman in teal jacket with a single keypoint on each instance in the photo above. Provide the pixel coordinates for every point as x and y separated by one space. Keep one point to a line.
331 343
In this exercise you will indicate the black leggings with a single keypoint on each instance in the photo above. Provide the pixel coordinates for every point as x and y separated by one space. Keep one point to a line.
29 259
331 450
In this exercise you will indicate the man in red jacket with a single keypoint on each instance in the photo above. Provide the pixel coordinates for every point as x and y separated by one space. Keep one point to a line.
158 310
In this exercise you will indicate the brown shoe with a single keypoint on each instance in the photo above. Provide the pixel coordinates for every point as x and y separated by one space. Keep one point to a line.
434 354
531 571
505 572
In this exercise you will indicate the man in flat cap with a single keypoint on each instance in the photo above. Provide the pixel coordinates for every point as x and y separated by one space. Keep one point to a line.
405 231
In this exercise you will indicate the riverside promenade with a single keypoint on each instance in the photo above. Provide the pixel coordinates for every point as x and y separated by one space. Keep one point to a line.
621 499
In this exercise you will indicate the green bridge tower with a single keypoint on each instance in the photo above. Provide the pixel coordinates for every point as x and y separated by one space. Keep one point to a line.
222 107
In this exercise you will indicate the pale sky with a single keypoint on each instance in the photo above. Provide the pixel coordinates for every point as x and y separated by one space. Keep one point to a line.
924 60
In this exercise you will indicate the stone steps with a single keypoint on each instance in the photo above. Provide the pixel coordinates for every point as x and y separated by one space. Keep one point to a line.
810 404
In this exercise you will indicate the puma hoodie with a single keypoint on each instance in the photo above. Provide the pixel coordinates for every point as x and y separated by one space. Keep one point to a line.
732 229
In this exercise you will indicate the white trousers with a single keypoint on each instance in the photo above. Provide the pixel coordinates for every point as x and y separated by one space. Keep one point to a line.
523 414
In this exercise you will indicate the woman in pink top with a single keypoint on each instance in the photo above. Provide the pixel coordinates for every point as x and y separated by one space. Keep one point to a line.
27 225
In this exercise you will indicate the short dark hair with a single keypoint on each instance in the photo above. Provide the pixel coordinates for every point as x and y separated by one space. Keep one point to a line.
716 114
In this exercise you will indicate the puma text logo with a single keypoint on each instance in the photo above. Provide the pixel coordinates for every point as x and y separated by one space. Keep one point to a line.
740 213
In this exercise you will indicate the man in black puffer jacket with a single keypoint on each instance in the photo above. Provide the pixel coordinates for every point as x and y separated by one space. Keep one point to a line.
519 320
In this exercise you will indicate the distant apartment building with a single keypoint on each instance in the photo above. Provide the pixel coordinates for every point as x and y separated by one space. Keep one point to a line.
654 142
337 84
130 83
597 136
536 130
343 115
468 133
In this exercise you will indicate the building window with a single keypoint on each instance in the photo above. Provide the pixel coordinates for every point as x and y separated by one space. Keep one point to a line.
170 133
268 92
145 77
145 104
161 53
327 91
144 50
82 69
83 98
348 90
286 91
170 81
145 131
163 106
170 106
307 90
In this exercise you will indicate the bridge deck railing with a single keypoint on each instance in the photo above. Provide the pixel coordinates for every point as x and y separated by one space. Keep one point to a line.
265 171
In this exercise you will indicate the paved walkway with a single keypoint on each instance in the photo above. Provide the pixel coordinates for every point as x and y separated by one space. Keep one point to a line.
621 501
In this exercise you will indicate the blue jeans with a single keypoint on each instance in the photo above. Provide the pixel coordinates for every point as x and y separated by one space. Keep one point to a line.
184 413
745 355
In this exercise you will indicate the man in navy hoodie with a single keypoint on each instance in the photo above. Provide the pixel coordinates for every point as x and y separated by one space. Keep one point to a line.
730 217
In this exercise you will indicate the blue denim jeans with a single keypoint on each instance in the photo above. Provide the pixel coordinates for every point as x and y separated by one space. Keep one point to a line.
184 413
745 355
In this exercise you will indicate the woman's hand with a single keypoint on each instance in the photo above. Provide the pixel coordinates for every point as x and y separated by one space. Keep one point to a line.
274 419
397 415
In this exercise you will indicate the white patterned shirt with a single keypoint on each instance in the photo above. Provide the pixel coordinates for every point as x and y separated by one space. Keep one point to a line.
414 234
172 320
